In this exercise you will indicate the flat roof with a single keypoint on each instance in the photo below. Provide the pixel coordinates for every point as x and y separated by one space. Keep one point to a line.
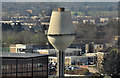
23 55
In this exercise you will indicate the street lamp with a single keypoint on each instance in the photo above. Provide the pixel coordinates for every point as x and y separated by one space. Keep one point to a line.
61 34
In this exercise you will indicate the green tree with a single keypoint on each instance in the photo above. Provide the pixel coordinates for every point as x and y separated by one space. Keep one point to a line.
39 38
24 37
111 64
8 37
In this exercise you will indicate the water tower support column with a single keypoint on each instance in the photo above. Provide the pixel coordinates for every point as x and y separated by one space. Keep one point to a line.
60 63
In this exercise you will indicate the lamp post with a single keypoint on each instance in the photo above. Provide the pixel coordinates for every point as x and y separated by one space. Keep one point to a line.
60 35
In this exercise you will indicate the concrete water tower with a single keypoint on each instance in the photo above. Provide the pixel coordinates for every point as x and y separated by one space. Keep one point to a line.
61 34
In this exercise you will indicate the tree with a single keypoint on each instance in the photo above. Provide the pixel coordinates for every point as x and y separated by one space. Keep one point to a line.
18 27
6 27
8 37
111 64
85 31
39 38
75 14
24 37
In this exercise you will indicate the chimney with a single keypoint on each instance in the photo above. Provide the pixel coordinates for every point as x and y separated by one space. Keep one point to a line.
61 9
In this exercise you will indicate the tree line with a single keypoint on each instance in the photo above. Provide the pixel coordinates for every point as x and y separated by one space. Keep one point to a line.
16 34
95 31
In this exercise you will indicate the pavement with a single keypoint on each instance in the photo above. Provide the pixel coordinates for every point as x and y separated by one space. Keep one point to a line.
93 70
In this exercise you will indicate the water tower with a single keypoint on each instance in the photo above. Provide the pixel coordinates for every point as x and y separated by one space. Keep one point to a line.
61 34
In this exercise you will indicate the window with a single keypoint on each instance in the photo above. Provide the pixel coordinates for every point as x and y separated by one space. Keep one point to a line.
40 65
29 65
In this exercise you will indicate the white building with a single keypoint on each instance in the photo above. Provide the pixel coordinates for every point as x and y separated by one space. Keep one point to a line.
20 48
104 20
68 52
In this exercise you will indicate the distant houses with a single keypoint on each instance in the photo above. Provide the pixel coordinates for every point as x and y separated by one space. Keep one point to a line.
44 20
75 53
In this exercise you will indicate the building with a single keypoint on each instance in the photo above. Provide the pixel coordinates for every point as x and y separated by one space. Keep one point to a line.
45 23
75 49
103 20
100 56
76 60
75 21
27 65
68 52
20 48
54 60
94 48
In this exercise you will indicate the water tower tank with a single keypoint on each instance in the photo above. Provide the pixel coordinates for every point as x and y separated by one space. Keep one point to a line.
61 31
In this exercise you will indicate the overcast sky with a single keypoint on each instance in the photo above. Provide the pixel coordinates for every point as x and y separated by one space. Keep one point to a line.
59 0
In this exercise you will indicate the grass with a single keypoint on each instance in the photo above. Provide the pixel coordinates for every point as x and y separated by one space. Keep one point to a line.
93 66
77 71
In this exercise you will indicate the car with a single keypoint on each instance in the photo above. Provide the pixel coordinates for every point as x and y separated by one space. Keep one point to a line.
74 68
53 68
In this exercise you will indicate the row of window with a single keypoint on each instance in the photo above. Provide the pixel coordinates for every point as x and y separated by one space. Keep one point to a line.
39 69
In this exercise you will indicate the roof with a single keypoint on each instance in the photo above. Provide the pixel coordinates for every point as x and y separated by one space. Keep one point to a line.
107 49
23 55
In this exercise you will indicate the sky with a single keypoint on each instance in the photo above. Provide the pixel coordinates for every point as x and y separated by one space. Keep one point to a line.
60 0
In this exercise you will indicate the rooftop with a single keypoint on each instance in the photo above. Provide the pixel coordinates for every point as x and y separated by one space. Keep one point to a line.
22 55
